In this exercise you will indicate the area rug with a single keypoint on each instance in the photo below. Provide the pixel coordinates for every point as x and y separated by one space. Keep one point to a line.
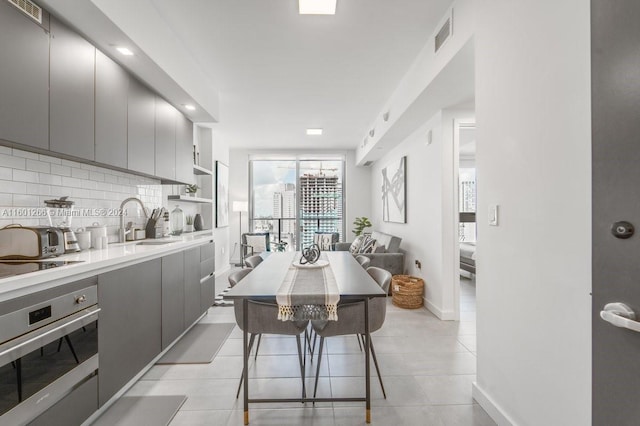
199 345
142 410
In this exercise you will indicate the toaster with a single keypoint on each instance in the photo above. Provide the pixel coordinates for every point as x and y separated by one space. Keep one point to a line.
30 242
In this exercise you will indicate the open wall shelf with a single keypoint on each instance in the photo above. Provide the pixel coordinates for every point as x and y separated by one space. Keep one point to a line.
187 199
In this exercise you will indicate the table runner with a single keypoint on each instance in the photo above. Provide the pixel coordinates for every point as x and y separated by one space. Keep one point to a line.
308 294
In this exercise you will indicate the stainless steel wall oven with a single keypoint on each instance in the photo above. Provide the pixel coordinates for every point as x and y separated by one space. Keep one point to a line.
49 355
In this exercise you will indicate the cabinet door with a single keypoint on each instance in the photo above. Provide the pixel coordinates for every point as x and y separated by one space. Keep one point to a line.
207 293
71 100
129 336
112 86
191 286
184 150
172 297
141 128
24 79
207 259
165 161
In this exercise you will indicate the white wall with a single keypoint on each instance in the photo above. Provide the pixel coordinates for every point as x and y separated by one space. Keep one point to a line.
221 235
356 191
429 235
533 159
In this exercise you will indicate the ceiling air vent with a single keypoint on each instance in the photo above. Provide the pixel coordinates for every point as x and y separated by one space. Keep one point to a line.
445 32
32 10
367 163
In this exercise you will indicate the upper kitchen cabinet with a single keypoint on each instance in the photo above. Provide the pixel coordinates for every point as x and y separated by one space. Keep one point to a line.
71 99
184 150
24 79
112 87
141 128
165 139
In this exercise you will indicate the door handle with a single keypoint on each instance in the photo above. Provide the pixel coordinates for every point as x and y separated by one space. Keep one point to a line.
620 315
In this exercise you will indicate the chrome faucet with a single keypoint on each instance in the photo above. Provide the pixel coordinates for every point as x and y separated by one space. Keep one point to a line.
123 232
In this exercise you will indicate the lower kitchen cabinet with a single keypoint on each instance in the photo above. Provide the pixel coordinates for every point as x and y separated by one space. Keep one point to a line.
207 275
129 335
172 297
192 308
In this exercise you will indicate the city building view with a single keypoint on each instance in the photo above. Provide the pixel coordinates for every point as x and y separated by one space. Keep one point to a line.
293 215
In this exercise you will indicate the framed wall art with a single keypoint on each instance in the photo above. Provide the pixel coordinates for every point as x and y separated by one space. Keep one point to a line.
222 195
394 191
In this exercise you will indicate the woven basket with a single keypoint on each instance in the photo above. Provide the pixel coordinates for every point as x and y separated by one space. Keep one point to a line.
406 291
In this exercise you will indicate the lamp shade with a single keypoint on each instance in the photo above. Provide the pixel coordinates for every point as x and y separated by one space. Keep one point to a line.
240 206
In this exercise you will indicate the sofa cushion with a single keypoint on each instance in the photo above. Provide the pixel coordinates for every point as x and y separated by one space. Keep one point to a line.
391 242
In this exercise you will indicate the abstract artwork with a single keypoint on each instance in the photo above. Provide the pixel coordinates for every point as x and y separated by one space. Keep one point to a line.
222 195
394 195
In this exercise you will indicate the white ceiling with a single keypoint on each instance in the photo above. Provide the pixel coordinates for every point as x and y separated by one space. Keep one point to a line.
278 72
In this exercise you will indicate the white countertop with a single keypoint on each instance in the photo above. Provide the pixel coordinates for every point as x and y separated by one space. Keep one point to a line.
95 262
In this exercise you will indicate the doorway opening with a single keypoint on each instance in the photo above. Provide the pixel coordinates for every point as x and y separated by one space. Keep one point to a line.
465 247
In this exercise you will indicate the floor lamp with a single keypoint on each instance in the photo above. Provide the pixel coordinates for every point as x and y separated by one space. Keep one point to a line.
240 206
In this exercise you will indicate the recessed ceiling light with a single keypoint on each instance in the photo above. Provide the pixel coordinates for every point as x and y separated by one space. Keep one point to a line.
314 132
190 107
125 51
317 7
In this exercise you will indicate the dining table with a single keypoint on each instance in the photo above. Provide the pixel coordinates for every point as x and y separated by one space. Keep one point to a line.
353 283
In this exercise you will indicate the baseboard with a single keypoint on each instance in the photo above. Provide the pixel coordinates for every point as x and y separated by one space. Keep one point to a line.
489 405
223 271
443 315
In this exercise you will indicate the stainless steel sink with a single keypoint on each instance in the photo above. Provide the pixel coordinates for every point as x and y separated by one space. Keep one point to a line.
154 243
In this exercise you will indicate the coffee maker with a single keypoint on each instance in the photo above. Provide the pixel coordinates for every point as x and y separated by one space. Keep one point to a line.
66 211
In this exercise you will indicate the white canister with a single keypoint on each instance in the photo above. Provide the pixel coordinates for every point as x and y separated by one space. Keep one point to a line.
97 231
84 239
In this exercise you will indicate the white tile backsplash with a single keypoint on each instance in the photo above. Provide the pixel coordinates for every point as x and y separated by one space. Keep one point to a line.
27 180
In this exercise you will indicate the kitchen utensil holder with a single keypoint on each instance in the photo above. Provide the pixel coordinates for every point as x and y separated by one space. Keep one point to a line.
153 229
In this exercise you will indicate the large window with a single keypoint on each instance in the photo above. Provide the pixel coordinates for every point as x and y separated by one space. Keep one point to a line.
292 199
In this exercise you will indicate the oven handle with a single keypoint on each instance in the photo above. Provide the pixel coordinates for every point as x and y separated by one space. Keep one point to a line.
47 335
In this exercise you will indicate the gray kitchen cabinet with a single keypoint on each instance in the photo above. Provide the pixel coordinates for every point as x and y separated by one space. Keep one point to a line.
71 93
165 155
207 276
191 286
112 86
129 335
184 150
141 128
24 79
172 297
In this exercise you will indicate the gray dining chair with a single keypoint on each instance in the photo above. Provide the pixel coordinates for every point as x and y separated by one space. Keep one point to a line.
364 261
351 320
263 319
253 261
235 277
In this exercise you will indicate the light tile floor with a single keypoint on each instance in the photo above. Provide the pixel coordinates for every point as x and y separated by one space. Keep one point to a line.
427 366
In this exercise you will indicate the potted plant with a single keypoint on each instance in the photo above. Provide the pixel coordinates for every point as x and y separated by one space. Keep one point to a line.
361 223
189 223
192 189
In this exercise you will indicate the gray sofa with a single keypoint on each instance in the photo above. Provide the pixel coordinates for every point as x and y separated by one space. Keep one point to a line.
391 259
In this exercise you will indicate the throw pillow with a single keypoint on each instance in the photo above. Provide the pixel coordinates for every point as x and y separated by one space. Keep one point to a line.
324 241
355 245
368 245
379 248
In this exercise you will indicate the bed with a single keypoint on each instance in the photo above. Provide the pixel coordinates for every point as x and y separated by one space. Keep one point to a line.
468 257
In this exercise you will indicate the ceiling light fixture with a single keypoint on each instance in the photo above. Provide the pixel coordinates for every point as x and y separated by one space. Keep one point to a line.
314 132
317 7
190 107
125 51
